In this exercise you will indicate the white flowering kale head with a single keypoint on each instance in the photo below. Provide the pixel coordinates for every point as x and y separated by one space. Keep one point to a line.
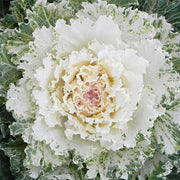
97 91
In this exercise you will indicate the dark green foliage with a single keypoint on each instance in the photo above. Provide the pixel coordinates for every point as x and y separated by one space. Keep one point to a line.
4 7
5 120
17 13
11 147
5 173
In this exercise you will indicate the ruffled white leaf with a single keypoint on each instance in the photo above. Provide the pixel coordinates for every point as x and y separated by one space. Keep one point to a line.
81 32
19 101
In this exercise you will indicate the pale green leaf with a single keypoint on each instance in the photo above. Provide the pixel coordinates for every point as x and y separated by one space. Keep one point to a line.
8 71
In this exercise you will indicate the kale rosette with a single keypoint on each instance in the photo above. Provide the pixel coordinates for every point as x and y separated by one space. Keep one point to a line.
99 94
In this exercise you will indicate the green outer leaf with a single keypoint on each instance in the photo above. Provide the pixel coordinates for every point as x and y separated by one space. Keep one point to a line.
38 16
46 16
170 41
15 150
123 3
51 164
170 129
5 120
8 72
175 158
18 41
4 171
18 13
77 4
169 9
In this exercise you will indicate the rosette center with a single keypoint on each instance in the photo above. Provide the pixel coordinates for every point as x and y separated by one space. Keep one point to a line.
90 98
87 92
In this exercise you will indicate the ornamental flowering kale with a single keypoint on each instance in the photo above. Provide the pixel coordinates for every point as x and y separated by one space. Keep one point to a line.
99 95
